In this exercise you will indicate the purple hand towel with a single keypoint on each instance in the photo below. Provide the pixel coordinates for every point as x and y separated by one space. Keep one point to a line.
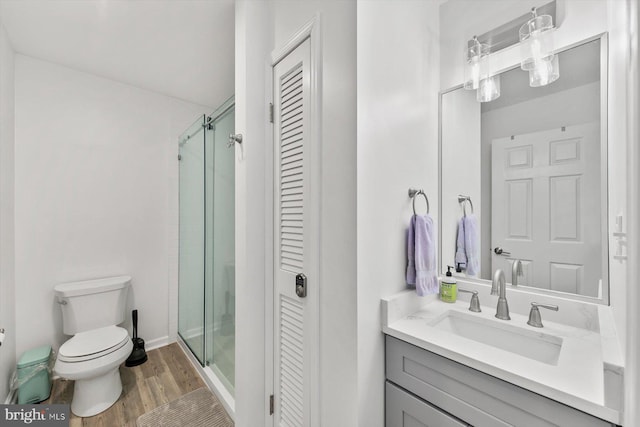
471 244
461 255
421 251
411 257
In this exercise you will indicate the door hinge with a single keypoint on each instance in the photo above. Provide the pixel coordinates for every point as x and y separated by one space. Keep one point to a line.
270 112
271 405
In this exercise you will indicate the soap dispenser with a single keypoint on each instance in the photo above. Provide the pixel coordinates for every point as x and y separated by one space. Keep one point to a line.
448 287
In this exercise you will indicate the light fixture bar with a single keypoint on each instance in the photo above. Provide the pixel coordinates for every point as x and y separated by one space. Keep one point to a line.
507 34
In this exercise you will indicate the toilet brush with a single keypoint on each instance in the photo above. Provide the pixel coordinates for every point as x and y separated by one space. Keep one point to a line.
138 356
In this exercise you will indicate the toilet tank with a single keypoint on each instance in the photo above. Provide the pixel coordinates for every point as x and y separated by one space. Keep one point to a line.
92 304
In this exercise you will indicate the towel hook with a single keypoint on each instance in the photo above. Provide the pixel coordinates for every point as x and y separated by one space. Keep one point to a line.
414 194
462 199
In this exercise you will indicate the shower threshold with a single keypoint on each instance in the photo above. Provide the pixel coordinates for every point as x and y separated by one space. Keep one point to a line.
212 377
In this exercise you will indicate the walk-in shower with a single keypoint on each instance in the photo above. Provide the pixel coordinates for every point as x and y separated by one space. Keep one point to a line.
206 312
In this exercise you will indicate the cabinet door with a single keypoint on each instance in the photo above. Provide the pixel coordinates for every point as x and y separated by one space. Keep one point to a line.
478 398
406 410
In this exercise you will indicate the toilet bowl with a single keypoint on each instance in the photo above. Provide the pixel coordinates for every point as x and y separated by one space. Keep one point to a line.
92 357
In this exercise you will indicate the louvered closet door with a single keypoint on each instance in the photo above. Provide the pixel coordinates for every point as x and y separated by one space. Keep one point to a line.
293 237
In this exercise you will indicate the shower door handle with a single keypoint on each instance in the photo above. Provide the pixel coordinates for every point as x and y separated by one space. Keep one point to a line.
233 138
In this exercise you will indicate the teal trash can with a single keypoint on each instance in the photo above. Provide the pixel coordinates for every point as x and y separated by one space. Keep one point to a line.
33 375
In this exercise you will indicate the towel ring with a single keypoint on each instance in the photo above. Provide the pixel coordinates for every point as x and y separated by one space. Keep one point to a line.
462 199
414 194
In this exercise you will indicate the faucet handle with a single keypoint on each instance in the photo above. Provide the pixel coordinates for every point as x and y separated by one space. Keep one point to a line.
474 305
520 272
535 319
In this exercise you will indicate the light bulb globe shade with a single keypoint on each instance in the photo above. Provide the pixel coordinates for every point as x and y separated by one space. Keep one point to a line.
536 41
545 72
489 89
475 62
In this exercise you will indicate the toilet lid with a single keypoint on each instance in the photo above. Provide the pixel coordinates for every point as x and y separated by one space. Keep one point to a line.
91 343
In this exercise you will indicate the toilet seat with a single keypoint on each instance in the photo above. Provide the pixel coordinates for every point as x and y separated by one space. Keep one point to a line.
93 344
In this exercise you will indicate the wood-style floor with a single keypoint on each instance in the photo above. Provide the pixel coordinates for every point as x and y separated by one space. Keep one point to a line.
167 375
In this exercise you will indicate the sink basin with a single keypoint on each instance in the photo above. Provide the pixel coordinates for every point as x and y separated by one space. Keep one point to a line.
533 344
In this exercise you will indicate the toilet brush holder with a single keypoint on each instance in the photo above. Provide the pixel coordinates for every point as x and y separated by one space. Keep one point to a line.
138 355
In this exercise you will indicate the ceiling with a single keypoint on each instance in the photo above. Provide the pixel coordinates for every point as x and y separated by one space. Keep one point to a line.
180 48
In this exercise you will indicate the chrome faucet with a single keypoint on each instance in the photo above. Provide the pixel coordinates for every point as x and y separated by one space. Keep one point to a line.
499 284
534 315
474 304
516 270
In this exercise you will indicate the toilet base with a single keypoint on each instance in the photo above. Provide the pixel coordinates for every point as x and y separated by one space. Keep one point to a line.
94 395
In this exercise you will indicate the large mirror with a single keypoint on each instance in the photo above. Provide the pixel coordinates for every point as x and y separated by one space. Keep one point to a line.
524 177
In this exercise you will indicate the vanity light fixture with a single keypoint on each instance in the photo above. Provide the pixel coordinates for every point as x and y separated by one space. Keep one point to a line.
489 89
473 55
537 44
534 32
477 72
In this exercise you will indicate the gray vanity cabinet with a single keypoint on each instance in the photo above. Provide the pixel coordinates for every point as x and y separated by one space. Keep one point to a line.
425 389
405 410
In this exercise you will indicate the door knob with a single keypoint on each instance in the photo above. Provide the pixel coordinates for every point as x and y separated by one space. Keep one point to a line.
301 285
499 251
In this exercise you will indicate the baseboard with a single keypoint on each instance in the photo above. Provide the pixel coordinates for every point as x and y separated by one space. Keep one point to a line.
157 343
192 333
199 330
12 397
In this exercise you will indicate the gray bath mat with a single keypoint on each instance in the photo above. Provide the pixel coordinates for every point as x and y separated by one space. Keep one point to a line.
200 408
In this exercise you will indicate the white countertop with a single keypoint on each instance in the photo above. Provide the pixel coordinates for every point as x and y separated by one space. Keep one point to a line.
578 379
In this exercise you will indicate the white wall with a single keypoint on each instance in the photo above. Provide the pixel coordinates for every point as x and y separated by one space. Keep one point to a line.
254 42
397 149
632 367
95 178
7 248
619 58
578 20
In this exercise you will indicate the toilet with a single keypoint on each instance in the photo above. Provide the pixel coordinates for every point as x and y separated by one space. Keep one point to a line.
91 311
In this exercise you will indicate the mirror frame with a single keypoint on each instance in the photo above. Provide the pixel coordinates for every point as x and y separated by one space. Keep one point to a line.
604 299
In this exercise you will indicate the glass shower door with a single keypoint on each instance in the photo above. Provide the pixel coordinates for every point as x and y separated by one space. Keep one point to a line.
192 238
220 246
206 307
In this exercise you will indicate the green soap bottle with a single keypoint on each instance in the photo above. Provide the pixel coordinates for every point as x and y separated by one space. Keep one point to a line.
448 287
